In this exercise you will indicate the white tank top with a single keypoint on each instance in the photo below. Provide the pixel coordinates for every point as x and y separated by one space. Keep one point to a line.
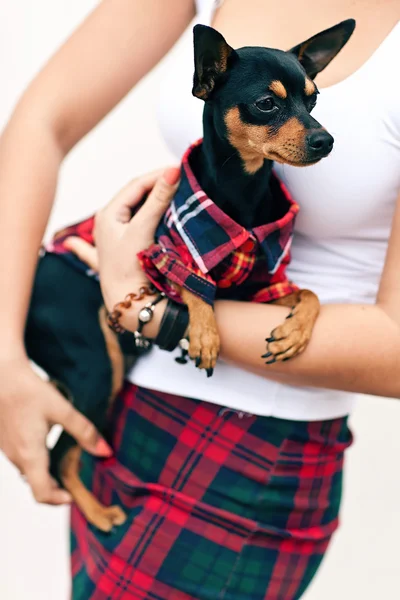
346 207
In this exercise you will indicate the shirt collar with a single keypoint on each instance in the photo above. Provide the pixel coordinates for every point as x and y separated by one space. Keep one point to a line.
211 235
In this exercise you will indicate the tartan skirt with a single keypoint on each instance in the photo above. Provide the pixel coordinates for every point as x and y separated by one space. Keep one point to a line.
221 505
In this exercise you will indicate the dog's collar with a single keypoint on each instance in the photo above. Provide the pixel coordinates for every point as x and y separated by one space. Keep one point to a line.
211 235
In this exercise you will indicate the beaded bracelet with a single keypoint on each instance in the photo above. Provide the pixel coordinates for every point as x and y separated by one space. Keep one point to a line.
173 328
146 313
117 312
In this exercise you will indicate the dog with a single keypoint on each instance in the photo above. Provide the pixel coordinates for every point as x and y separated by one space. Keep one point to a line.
257 110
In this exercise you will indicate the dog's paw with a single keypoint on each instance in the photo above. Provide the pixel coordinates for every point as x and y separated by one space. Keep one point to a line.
288 340
204 345
106 518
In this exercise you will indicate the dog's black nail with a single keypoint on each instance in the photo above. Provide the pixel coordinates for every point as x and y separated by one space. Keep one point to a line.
181 360
271 362
198 361
267 355
210 372
270 339
290 315
285 359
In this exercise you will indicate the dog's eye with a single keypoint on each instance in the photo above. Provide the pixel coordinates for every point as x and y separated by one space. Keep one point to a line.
266 104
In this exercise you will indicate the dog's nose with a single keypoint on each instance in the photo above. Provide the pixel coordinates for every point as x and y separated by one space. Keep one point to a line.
319 143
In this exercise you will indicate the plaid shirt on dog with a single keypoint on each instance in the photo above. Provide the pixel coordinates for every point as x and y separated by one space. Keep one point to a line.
201 248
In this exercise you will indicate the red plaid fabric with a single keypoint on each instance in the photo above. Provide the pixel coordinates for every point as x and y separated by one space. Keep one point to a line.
220 504
201 248
84 230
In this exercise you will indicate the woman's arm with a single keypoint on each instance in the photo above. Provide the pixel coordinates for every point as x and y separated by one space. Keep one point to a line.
353 347
111 51
89 75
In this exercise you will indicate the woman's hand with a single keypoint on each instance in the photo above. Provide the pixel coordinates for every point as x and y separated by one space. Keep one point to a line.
29 407
119 237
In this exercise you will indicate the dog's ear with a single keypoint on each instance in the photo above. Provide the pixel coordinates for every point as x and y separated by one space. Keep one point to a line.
211 57
317 52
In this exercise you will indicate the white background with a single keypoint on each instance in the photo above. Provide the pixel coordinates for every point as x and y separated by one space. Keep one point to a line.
363 563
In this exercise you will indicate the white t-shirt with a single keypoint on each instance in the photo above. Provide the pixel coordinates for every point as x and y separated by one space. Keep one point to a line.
346 203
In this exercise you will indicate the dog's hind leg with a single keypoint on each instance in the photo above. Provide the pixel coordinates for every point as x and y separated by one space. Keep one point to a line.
102 517
291 338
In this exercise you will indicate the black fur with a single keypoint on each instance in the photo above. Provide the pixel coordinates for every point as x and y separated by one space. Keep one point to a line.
248 73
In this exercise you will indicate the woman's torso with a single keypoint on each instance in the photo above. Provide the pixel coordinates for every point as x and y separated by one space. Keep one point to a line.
346 201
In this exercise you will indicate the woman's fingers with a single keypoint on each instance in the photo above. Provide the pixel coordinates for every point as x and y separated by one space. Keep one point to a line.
44 487
157 202
131 195
84 251
81 429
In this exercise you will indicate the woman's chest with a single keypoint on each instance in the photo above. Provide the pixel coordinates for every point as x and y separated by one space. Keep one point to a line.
286 23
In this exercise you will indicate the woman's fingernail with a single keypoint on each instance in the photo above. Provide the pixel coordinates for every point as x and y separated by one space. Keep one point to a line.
103 449
172 175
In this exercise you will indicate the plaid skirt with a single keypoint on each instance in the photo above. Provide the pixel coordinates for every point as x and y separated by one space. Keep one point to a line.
221 505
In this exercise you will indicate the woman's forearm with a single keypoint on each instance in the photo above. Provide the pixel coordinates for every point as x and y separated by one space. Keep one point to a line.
81 83
29 161
353 347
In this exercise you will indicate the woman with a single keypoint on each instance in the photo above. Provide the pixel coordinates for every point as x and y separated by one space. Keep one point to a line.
234 494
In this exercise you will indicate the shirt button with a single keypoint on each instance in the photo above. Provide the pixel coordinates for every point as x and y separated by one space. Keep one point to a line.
248 246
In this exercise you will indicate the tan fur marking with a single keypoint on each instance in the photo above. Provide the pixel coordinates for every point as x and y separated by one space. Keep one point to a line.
204 338
278 88
202 91
241 138
102 517
309 87
258 142
226 51
292 337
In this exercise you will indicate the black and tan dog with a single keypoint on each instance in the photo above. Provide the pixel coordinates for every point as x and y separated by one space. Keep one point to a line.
257 110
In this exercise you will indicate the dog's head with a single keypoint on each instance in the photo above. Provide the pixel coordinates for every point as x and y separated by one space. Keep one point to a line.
262 98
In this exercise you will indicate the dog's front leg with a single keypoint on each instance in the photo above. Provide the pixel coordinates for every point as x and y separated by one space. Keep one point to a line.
291 338
203 333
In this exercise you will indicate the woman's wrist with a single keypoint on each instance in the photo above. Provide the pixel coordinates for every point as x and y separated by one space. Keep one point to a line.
115 291
148 314
130 320
129 316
